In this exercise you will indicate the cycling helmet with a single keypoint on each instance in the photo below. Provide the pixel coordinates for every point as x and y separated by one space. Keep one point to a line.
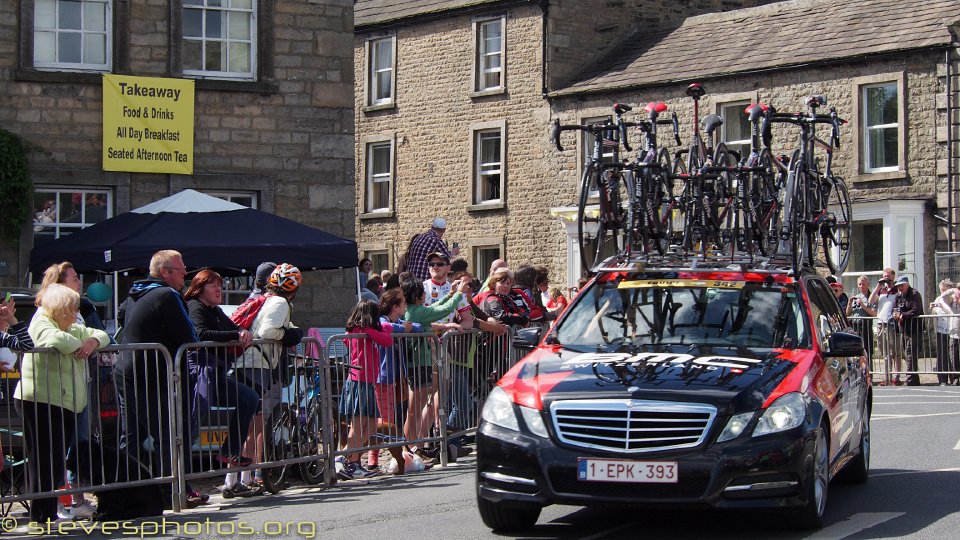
285 277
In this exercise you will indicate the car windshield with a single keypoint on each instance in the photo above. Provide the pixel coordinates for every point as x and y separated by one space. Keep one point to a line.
627 314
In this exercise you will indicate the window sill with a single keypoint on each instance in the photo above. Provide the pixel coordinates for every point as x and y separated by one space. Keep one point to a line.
489 92
487 206
381 107
256 87
377 215
879 176
73 77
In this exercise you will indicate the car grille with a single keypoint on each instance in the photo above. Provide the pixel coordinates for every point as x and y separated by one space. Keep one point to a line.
630 426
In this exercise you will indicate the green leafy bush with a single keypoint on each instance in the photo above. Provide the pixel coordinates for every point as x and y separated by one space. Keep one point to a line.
15 186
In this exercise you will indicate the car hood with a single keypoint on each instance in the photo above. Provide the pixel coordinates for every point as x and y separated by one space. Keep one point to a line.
731 380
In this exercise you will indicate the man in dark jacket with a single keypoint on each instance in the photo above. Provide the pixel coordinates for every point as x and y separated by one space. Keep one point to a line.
907 312
154 312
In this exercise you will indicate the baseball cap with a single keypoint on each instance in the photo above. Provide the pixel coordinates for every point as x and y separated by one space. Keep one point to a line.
263 273
440 255
439 223
902 280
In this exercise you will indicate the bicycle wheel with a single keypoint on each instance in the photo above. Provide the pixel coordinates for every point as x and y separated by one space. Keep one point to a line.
277 447
311 443
836 232
600 229
688 204
725 212
669 213
766 203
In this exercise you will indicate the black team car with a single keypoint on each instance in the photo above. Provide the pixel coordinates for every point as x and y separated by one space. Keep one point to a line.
721 388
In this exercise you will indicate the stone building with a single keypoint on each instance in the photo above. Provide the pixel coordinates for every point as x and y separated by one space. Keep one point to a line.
452 118
273 125
455 99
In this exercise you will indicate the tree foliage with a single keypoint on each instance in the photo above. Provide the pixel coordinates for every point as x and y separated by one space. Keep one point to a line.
15 186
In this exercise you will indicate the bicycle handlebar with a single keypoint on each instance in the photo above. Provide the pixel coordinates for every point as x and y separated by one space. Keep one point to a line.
594 129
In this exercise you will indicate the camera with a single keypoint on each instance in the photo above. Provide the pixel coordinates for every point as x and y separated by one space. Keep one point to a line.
884 281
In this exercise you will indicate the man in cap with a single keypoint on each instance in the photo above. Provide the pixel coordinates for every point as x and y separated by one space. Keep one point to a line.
260 281
907 312
889 342
426 243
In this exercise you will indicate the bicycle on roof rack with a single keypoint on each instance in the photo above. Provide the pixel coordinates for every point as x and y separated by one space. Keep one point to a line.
708 199
600 232
817 216
652 207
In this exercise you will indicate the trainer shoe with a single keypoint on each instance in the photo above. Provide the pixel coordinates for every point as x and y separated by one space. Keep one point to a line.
359 470
239 490
80 510
344 472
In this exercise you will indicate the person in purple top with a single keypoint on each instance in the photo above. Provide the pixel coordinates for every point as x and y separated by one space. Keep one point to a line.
424 244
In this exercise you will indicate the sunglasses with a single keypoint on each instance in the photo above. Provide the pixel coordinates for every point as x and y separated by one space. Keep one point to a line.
435 264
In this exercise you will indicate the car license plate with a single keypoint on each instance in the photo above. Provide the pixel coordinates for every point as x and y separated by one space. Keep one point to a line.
208 438
622 470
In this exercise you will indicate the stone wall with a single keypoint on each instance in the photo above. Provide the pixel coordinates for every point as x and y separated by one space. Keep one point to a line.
288 138
431 125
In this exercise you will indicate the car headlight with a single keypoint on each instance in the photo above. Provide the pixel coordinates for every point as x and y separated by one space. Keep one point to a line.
534 421
735 426
498 409
787 412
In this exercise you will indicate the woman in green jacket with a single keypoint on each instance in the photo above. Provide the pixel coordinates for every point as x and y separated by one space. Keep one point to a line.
52 390
419 356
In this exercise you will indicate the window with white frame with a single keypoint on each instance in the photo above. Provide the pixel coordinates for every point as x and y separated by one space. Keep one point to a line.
220 38
72 34
380 260
735 132
881 131
588 140
244 198
490 54
60 211
380 76
488 168
483 257
379 165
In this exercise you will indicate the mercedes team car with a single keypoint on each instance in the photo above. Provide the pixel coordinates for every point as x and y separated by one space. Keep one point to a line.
717 388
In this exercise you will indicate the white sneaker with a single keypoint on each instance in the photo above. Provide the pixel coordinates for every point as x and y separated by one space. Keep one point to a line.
81 510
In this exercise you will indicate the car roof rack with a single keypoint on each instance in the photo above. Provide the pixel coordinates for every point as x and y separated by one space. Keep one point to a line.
677 262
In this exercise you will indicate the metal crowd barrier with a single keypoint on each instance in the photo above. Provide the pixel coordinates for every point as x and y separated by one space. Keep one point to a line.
133 382
279 417
925 351
313 416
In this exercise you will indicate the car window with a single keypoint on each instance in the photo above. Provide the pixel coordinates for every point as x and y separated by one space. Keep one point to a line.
825 310
646 311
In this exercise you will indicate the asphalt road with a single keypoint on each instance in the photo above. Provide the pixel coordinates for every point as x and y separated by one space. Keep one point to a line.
913 492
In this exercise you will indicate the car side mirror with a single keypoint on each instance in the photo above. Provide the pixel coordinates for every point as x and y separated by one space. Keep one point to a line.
527 338
844 344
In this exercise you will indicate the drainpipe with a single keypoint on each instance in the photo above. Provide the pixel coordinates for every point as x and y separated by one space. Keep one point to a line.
544 9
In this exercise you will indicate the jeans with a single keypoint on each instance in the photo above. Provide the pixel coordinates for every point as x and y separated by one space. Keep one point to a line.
461 402
228 392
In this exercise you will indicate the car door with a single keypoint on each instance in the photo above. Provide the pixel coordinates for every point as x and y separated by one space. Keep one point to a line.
829 319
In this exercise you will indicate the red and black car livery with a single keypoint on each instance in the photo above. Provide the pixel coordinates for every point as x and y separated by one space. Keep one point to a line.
730 389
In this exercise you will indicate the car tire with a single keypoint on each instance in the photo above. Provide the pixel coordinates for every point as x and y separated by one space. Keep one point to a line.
502 518
810 516
858 470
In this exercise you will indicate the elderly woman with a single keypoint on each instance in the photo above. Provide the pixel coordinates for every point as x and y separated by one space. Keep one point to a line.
204 297
52 390
947 309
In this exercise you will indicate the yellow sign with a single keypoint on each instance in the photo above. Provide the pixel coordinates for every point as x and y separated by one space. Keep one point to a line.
662 283
147 124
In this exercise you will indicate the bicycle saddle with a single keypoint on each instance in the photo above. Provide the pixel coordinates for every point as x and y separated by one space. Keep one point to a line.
711 122
658 106
755 110
814 101
621 108
696 91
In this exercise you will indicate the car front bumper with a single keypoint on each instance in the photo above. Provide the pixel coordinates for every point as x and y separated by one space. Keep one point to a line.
771 471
